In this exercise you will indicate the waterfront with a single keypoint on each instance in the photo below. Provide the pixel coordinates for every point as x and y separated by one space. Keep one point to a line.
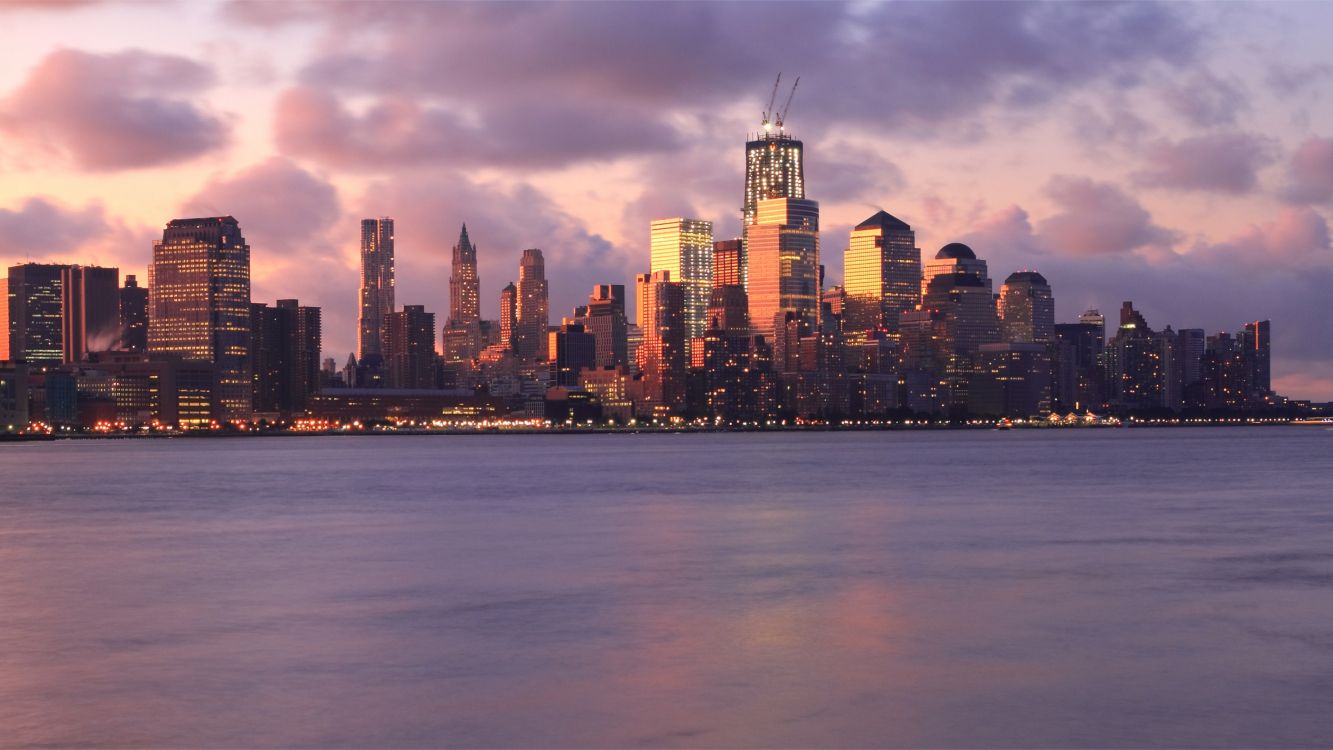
941 588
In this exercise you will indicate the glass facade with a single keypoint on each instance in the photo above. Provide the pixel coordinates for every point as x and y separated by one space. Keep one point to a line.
377 284
199 295
783 255
532 308
36 298
684 249
1027 308
881 276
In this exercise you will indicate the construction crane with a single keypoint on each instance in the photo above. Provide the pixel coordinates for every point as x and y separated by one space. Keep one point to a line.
781 118
768 113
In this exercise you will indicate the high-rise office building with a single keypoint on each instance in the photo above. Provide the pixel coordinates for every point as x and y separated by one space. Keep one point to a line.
199 298
573 349
91 310
954 257
36 303
1140 365
1255 338
1012 379
532 307
662 354
133 316
684 248
377 284
728 265
881 276
782 245
508 314
464 283
605 320
774 168
1078 370
1027 308
729 310
409 348
1190 346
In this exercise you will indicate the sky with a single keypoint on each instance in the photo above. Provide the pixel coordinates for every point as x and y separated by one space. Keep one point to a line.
1177 155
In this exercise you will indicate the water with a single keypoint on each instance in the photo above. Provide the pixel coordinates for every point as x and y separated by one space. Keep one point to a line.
982 589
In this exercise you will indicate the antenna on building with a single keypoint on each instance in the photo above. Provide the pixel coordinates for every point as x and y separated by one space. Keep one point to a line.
783 116
768 113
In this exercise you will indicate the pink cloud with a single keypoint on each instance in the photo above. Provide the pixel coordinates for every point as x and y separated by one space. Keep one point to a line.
1311 172
1218 162
1098 218
115 111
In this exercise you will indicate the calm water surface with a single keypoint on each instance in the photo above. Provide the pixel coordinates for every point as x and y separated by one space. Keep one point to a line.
980 589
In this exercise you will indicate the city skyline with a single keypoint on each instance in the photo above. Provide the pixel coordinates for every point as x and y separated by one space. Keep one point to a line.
1209 217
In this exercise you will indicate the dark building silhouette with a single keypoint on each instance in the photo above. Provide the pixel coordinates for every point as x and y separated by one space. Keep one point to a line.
133 316
36 303
409 348
90 310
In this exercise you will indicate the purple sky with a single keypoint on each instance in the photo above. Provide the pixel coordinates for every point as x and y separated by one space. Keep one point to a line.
1176 155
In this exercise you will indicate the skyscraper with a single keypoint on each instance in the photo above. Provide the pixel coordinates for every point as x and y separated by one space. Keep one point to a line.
662 353
133 316
728 265
881 276
377 283
1257 353
199 297
1027 308
783 255
409 347
774 168
508 314
954 257
684 248
605 320
532 310
464 283
36 295
91 310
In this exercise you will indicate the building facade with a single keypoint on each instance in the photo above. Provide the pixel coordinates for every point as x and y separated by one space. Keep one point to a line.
782 246
90 310
377 284
531 307
881 276
684 248
199 302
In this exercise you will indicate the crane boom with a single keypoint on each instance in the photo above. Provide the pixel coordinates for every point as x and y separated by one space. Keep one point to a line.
768 113
783 117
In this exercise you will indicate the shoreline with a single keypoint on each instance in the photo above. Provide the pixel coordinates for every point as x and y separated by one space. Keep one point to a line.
648 429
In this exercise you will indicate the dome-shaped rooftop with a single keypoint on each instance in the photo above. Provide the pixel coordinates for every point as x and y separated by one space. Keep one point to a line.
1032 277
955 250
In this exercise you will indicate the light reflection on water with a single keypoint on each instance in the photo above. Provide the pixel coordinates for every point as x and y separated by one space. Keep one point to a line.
1080 588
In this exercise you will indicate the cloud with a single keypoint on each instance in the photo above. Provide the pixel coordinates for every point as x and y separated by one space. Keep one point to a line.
1297 237
115 111
1098 218
280 205
1205 100
1219 162
600 80
42 228
1310 172
399 131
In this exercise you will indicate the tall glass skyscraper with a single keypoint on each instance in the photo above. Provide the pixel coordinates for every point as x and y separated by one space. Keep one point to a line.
1027 308
199 297
881 276
684 248
774 168
783 249
532 308
35 303
464 283
133 316
376 299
